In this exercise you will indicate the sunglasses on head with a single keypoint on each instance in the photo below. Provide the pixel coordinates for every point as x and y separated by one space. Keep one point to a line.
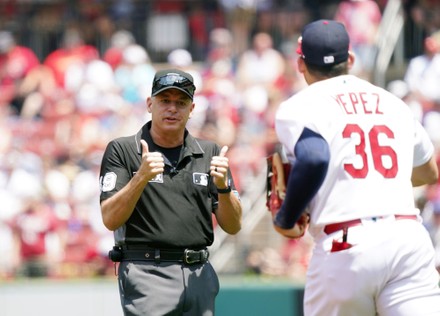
174 80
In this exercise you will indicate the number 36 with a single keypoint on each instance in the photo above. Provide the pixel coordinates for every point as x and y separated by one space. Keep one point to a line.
377 151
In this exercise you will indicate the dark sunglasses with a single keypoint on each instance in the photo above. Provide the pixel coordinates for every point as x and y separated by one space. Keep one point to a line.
174 80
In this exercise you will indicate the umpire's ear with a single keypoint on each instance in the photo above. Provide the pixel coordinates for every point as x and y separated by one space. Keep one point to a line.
149 103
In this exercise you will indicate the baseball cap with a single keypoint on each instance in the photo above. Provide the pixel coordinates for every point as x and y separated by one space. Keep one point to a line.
173 79
324 43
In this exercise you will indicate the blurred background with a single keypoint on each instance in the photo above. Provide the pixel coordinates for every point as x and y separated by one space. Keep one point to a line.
75 74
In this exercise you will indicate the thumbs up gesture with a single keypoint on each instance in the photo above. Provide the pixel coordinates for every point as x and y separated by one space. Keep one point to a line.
152 162
219 168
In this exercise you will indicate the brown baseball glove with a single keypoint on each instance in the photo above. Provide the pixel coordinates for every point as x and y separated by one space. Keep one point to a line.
277 175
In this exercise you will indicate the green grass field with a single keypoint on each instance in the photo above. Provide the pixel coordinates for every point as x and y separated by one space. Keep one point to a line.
239 296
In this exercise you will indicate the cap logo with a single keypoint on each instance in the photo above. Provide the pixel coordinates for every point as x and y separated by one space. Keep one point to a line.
173 76
324 43
329 59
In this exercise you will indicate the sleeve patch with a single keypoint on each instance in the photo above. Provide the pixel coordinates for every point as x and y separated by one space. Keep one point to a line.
109 182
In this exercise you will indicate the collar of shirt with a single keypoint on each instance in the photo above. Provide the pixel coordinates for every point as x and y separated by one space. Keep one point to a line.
190 144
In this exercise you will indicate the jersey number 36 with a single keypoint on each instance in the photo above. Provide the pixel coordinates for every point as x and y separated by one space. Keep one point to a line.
377 151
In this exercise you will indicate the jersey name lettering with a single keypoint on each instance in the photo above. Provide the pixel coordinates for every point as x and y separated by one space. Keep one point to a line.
359 102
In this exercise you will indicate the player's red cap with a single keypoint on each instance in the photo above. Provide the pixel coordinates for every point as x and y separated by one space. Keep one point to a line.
324 43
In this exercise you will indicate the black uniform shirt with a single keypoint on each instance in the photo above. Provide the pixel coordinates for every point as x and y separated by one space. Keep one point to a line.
175 208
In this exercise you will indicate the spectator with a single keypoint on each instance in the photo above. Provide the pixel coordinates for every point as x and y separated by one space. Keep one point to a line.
118 42
261 64
258 70
240 17
220 49
362 19
32 229
74 52
423 74
198 20
132 73
422 78
219 90
266 22
95 87
16 62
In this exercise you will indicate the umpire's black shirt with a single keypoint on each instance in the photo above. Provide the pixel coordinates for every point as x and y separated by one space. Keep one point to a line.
175 208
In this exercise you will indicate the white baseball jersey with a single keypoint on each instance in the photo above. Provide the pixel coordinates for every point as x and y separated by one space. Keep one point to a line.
374 143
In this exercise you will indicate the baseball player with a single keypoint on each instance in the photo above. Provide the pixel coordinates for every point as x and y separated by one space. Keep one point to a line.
356 152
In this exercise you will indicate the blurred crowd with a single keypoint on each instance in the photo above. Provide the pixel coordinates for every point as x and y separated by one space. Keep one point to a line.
58 112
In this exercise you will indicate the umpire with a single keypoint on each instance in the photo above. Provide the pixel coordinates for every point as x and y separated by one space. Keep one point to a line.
159 189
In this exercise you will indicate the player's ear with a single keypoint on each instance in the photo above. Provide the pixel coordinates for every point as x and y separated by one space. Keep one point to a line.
351 59
301 65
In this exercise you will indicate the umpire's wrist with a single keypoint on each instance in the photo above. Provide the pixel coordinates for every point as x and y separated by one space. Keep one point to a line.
228 189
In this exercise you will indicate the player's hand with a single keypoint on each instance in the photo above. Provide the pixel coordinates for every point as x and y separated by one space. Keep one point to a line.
219 169
296 231
152 162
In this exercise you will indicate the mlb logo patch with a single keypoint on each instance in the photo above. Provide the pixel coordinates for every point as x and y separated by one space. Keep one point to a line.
157 179
200 178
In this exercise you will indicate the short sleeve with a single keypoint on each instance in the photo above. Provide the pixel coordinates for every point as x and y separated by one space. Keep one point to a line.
423 147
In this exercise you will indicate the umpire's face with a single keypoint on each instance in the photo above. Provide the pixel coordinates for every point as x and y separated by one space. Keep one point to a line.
170 110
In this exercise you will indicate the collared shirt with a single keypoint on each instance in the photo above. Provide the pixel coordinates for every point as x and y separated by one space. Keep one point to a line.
175 208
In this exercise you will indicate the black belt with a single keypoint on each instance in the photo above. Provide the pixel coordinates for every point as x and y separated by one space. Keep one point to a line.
187 256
